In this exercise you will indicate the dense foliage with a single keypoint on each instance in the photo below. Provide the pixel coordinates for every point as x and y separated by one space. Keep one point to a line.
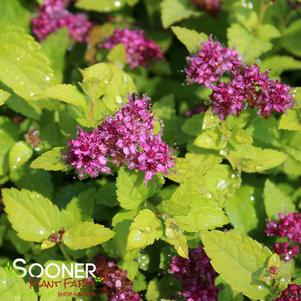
157 139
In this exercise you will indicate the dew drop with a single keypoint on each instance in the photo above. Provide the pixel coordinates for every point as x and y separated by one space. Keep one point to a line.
117 3
47 78
18 58
252 198
221 184
209 195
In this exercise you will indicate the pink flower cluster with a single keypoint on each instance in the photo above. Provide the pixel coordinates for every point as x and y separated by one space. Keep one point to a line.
291 293
247 86
139 49
116 285
196 275
288 226
126 138
53 14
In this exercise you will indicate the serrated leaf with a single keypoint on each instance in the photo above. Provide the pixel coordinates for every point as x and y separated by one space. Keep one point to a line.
190 38
290 121
51 160
173 11
55 47
85 235
4 95
241 210
14 288
175 237
251 42
32 216
19 154
276 201
239 260
131 190
79 209
280 63
23 67
145 229
66 93
249 158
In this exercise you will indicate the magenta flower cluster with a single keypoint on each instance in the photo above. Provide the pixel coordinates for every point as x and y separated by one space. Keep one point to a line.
291 293
139 49
288 226
247 86
196 275
116 285
127 138
53 15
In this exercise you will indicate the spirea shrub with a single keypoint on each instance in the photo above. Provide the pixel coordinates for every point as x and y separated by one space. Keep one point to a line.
150 150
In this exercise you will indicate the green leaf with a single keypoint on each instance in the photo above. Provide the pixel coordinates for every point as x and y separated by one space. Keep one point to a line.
193 125
276 201
55 47
3 96
107 88
84 235
32 216
241 210
173 11
66 93
14 288
79 209
51 160
23 67
190 38
249 158
290 38
14 12
290 121
100 6
280 63
145 229
239 260
19 154
131 190
252 41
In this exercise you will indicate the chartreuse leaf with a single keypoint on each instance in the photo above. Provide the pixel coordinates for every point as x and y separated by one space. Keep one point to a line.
145 229
276 201
190 38
101 6
79 208
175 237
107 87
173 11
192 166
51 160
249 158
251 38
84 235
290 121
239 260
8 136
32 216
280 63
23 67
55 47
241 210
66 93
3 96
117 55
131 191
19 154
14 288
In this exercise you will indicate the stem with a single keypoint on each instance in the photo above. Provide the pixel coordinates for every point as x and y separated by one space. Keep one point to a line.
64 252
